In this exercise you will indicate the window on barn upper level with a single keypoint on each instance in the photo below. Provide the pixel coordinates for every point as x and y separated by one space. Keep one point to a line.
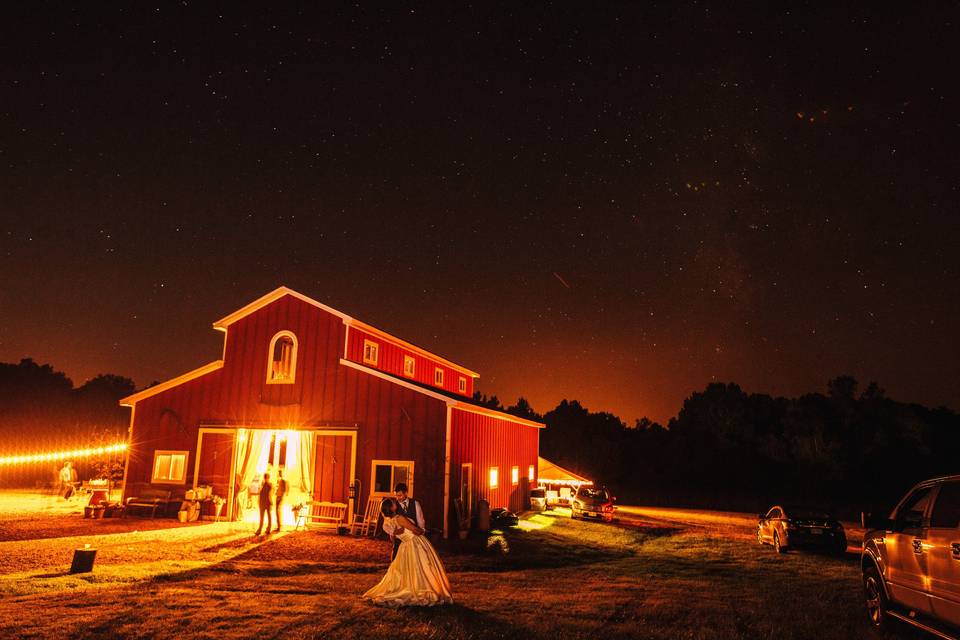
515 475
409 366
494 477
462 385
438 377
530 473
282 359
371 352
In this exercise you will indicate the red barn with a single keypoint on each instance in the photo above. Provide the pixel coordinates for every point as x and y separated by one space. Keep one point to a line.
338 405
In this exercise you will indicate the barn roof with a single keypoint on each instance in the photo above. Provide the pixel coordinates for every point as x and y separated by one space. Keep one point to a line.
279 292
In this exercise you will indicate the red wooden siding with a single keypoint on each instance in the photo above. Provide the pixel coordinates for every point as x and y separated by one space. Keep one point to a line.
390 359
391 422
488 442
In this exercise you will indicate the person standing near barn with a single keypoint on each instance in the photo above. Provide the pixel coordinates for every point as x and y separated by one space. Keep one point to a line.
266 503
281 491
67 478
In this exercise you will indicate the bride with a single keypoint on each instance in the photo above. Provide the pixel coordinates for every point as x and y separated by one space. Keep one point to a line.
416 576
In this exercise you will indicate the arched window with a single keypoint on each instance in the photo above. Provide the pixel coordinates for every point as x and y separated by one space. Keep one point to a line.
282 359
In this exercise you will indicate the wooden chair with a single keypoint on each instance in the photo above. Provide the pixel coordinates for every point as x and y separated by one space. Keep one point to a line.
367 523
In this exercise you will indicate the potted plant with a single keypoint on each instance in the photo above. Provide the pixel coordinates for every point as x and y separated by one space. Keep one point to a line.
218 503
297 509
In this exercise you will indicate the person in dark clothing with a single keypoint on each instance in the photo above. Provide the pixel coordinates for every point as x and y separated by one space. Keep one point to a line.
281 491
266 503
408 507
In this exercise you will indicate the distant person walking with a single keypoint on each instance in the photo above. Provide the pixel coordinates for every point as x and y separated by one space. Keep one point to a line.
67 477
266 503
281 492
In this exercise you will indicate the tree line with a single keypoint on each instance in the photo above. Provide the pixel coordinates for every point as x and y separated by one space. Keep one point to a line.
845 448
42 411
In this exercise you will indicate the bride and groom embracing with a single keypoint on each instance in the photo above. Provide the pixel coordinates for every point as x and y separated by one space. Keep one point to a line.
415 576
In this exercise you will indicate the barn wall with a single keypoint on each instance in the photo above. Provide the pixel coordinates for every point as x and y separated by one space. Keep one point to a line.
390 359
392 422
486 442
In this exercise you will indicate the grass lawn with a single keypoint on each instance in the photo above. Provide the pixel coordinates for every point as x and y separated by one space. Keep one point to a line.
559 579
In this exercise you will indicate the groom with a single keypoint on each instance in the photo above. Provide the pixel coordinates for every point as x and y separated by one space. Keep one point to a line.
406 506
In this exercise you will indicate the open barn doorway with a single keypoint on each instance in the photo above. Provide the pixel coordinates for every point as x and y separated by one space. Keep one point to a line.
317 465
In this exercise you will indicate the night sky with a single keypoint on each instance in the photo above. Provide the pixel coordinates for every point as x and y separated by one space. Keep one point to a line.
618 205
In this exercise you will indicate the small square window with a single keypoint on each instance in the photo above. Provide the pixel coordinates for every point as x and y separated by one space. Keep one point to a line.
494 477
371 351
515 476
438 377
388 473
409 366
169 467
462 385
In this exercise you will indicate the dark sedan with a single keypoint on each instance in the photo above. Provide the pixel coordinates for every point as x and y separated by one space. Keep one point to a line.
788 527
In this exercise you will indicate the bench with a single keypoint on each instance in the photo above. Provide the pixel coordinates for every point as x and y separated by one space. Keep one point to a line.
149 499
328 515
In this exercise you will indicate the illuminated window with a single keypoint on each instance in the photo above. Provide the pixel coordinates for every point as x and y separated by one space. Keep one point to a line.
371 350
385 475
494 477
282 359
438 377
170 467
409 366
530 474
515 476
462 385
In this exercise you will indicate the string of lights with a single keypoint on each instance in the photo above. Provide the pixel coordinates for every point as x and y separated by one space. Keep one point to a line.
63 455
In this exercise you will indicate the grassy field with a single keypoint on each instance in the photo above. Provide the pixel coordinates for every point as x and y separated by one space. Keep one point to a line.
556 579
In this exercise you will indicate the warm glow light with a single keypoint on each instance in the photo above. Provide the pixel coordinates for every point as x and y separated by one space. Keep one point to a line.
530 473
62 455
494 477
515 475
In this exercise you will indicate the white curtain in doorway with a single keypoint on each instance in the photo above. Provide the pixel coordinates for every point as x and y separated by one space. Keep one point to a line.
306 464
254 459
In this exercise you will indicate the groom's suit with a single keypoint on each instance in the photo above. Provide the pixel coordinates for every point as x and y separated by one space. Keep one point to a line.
414 513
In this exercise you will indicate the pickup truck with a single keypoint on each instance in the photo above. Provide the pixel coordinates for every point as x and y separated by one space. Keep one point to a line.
911 560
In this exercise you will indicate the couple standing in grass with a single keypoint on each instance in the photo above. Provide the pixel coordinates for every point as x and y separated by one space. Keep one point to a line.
415 576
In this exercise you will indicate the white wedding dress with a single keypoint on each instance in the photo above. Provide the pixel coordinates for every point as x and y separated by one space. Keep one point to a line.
414 578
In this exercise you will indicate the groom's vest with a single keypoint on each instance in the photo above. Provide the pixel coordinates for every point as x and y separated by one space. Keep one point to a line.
410 511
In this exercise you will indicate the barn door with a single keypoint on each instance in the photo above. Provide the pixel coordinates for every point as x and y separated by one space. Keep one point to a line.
215 462
332 466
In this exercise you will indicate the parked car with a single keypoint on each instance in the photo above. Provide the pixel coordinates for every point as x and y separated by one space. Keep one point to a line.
590 502
538 499
911 560
790 526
